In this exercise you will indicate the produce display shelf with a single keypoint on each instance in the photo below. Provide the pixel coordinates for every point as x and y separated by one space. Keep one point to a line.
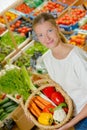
14 52
55 8
22 13
22 26
28 55
17 55
8 105
7 4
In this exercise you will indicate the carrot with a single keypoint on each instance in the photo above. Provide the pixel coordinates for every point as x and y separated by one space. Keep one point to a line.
34 106
39 103
33 112
44 101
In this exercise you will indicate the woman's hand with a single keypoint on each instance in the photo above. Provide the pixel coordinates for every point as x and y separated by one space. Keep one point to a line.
65 127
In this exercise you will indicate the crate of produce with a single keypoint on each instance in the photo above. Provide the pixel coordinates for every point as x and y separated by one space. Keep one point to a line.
28 55
69 21
10 17
78 38
22 26
55 8
7 106
33 4
23 9
7 46
42 108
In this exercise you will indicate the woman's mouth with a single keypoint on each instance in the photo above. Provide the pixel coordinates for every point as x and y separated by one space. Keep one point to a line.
50 42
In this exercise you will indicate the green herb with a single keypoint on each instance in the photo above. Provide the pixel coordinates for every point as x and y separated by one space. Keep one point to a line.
13 82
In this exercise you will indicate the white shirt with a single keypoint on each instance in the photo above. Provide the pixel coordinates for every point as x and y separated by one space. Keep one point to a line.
71 74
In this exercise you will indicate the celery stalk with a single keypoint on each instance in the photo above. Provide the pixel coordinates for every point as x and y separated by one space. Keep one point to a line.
27 78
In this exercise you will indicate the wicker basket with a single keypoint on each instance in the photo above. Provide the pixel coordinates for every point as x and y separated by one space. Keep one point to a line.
44 83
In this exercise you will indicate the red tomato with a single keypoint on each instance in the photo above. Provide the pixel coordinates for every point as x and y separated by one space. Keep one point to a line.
57 98
17 24
65 109
19 30
22 34
49 108
48 91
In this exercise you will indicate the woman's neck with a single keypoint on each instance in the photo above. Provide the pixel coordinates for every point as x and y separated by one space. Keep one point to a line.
62 50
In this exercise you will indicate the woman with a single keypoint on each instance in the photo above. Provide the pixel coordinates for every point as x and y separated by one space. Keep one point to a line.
66 65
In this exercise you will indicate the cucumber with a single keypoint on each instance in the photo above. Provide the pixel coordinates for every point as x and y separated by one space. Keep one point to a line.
1 111
3 115
10 108
8 104
4 101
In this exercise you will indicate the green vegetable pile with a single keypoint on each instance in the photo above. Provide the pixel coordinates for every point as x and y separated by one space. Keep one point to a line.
4 51
6 107
6 45
16 81
6 39
24 59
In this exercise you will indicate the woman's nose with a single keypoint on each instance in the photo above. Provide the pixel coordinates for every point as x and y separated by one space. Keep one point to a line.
47 37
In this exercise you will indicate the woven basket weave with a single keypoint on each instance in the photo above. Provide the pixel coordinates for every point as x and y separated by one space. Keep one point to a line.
44 83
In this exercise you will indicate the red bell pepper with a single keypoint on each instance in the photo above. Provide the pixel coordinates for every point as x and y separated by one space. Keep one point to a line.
48 91
57 98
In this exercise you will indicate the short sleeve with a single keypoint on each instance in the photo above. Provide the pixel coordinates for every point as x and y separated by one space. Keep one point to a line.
81 66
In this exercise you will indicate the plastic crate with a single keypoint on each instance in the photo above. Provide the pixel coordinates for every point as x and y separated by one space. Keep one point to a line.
70 27
54 11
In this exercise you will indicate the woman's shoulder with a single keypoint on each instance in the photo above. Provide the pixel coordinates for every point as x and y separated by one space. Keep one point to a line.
47 54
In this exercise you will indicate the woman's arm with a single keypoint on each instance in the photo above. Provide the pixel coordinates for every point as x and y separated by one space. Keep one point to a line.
75 120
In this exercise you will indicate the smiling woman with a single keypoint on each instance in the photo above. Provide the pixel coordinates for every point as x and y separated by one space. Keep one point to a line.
67 65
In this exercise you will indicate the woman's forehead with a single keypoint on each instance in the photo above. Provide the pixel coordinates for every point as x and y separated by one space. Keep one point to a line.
46 23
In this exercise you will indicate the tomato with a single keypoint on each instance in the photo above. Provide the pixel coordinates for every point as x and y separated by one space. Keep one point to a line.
65 109
49 108
57 98
48 91
24 31
19 30
17 24
22 34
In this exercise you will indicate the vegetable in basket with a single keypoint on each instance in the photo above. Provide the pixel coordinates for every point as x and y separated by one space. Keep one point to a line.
48 91
45 118
57 98
49 108
59 115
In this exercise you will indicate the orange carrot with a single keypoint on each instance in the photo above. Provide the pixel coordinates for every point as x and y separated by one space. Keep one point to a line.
44 101
38 103
34 106
33 112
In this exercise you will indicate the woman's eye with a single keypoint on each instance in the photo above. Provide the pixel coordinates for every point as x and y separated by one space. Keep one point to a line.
50 30
40 35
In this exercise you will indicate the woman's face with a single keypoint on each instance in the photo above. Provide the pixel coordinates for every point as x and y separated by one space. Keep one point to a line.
47 34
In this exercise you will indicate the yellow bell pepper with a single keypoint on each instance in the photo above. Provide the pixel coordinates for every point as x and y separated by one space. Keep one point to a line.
45 118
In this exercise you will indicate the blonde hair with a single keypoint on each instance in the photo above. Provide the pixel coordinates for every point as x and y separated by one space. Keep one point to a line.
43 17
